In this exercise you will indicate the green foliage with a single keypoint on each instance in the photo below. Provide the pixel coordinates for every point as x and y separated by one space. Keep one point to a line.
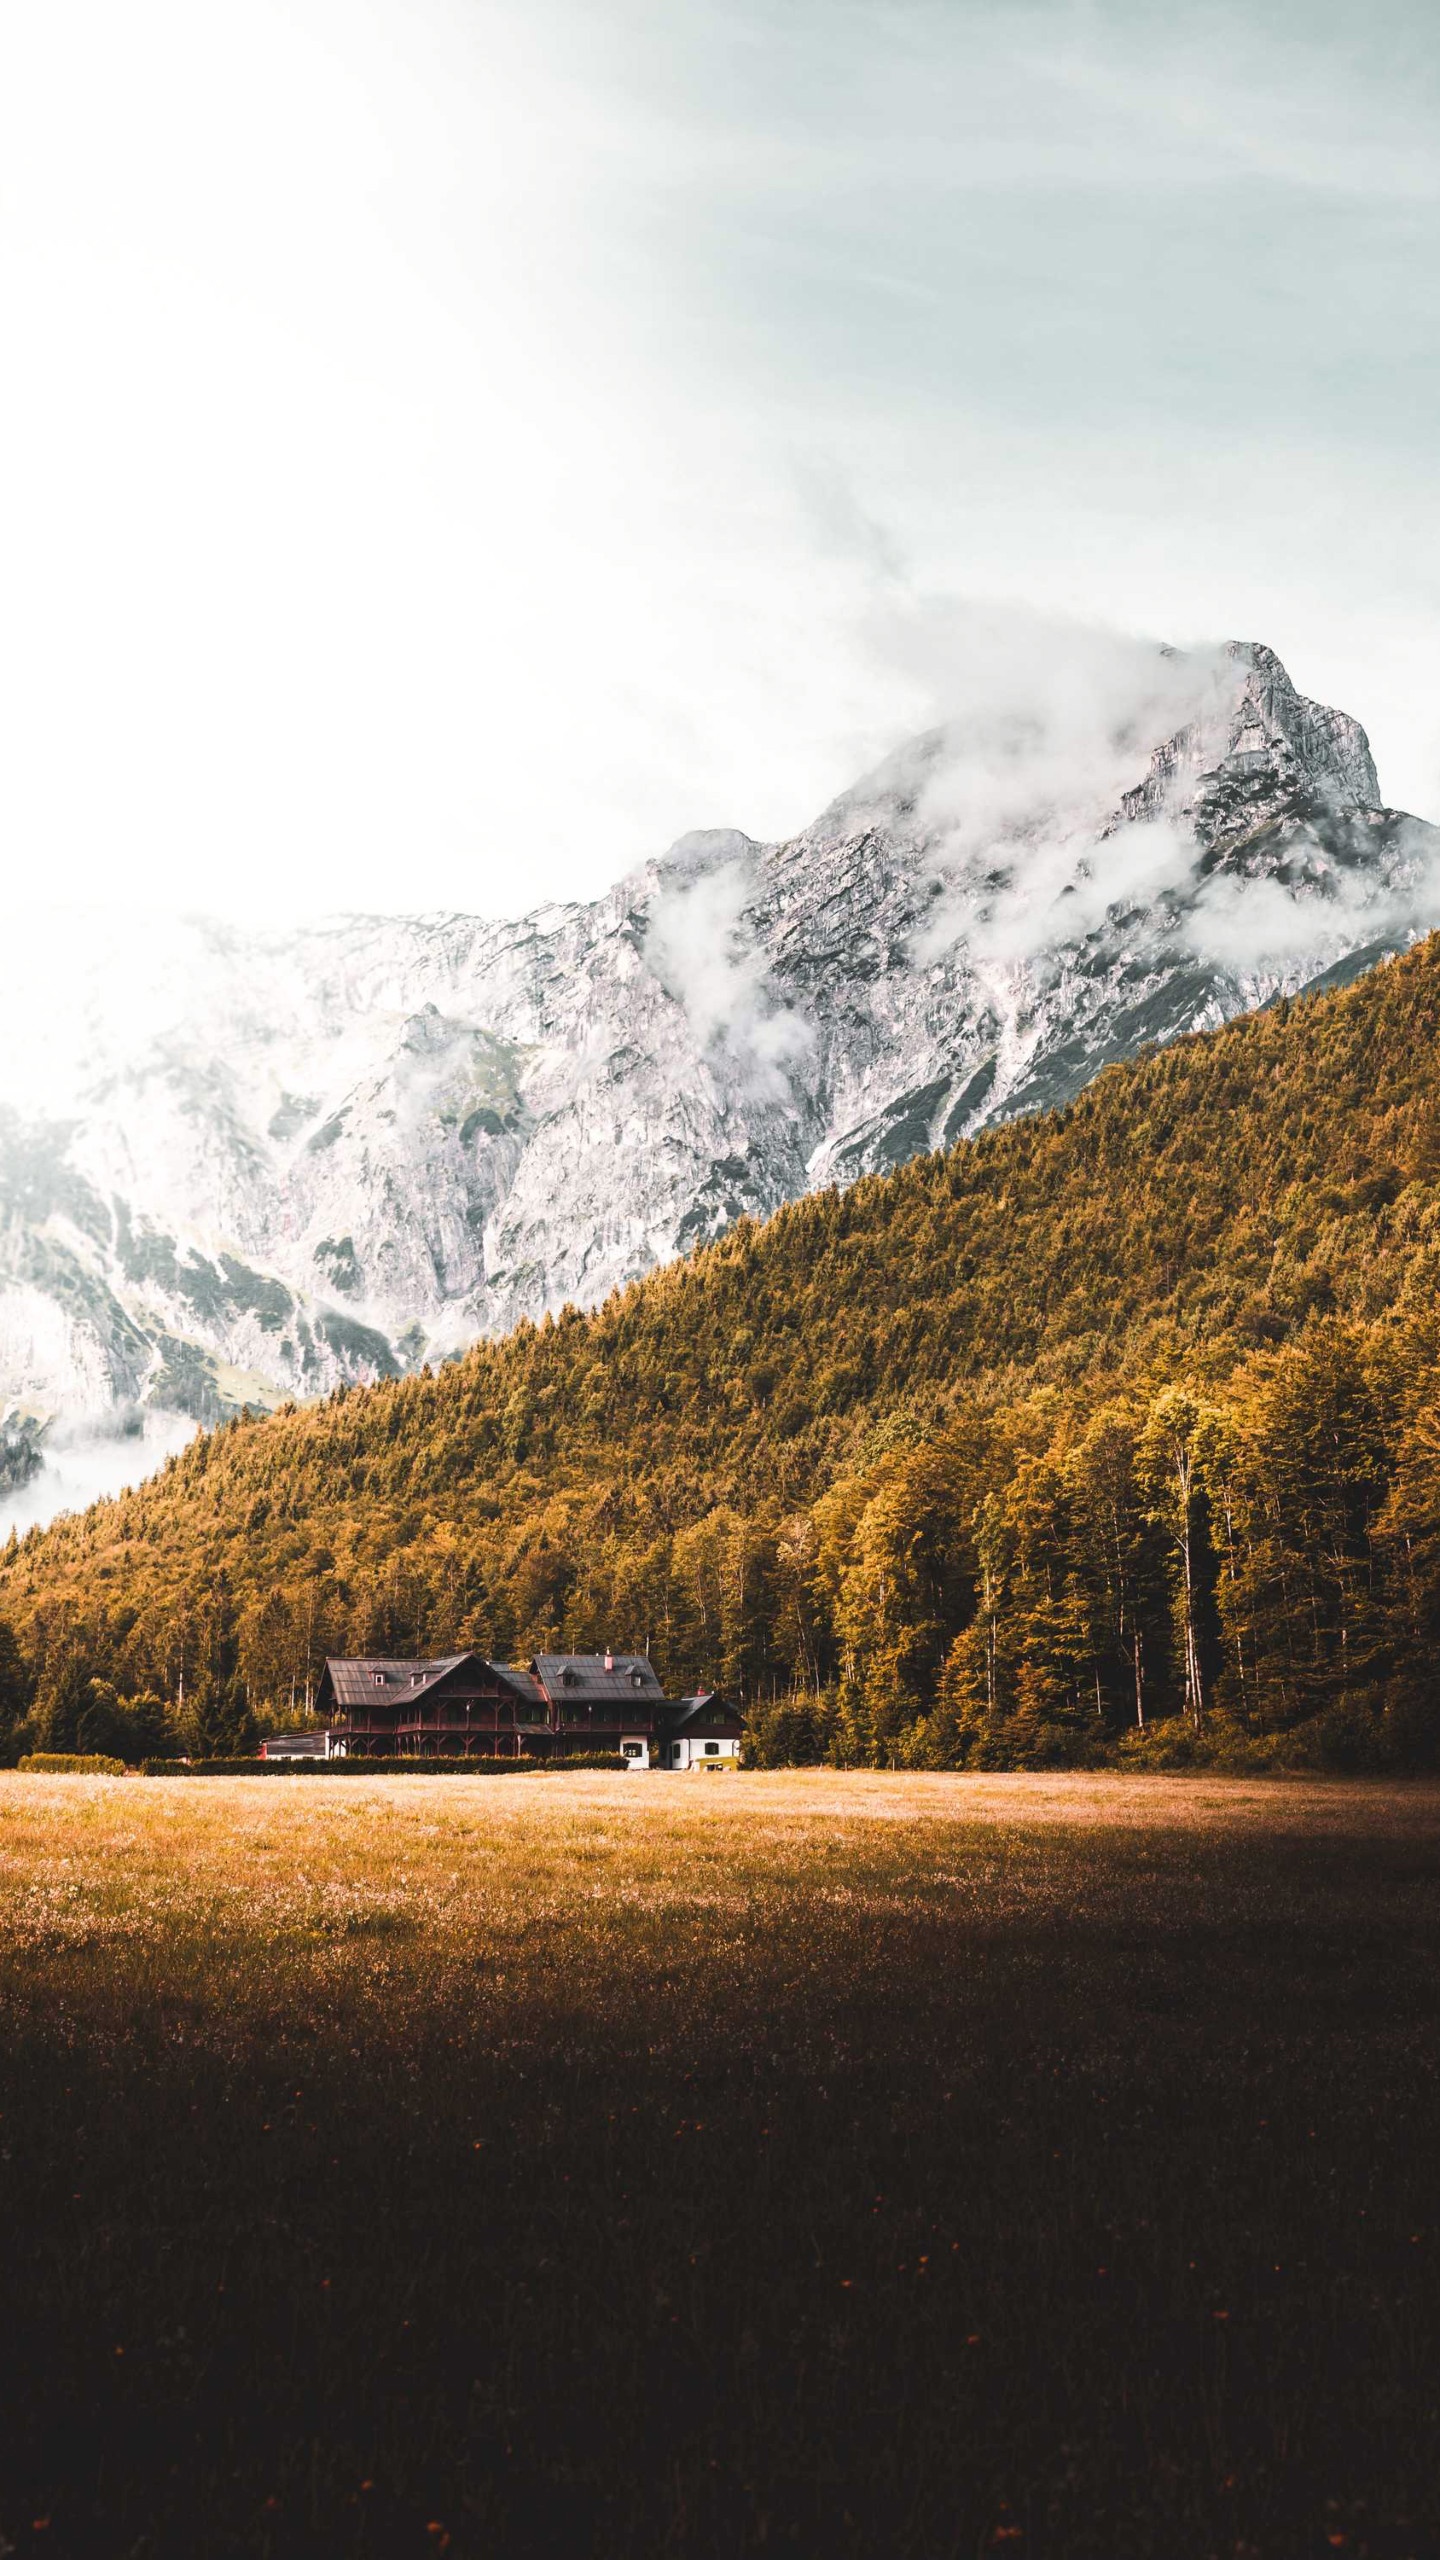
129 1729
17 1688
73 1764
1111 1421
61 1700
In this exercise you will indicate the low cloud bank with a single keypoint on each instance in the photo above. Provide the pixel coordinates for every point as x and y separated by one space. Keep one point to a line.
85 1461
701 947
1241 924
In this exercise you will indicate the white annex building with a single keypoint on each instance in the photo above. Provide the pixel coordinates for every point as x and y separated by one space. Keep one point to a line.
702 1733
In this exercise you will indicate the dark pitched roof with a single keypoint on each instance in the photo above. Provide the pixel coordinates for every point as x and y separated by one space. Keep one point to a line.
519 1678
705 1714
365 1679
581 1680
356 1682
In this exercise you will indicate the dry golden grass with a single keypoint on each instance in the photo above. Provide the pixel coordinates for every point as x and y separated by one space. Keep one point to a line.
794 2161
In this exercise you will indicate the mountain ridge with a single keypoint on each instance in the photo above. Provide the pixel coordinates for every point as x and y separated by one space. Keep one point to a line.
354 1149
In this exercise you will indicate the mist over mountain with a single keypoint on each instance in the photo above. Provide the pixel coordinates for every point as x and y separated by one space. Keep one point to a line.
240 1166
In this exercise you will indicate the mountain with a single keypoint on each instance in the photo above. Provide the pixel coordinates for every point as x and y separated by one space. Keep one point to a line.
270 1163
1117 1420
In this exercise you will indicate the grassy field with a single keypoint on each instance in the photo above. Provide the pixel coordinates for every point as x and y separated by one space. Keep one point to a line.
781 2164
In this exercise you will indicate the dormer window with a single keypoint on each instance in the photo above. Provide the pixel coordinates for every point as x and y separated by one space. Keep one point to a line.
637 1679
416 1678
570 1679
379 1679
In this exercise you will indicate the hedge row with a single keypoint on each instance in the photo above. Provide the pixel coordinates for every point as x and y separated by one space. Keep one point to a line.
71 1764
477 1768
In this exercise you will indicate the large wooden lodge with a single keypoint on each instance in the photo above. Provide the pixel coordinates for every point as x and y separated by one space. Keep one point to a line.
553 1707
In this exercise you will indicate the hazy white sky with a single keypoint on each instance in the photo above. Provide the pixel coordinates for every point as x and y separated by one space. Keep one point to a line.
451 446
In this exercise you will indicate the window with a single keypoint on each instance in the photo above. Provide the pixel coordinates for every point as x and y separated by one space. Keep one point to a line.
712 1750
637 1679
415 1679
379 1679
632 1750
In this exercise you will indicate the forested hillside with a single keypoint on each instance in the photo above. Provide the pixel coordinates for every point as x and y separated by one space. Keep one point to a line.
1118 1428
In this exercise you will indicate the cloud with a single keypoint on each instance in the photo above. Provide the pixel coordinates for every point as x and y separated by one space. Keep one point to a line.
1258 927
700 945
1051 722
421 528
1059 892
85 1460
1016 798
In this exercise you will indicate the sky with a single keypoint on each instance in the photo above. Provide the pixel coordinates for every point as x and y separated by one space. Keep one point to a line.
452 447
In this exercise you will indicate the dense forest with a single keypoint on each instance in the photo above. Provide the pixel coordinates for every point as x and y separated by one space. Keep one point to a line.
1112 1432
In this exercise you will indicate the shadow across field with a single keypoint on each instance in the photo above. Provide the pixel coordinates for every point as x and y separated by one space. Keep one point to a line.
839 2165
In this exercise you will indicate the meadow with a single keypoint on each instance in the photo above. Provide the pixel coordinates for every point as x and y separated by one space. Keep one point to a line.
801 2162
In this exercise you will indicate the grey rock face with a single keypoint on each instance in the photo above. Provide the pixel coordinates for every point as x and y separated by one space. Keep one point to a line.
336 1153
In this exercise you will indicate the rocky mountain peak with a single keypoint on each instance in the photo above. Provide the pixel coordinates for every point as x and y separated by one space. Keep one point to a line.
1257 751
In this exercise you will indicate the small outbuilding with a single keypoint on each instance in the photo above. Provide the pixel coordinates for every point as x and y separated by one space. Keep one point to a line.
702 1733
